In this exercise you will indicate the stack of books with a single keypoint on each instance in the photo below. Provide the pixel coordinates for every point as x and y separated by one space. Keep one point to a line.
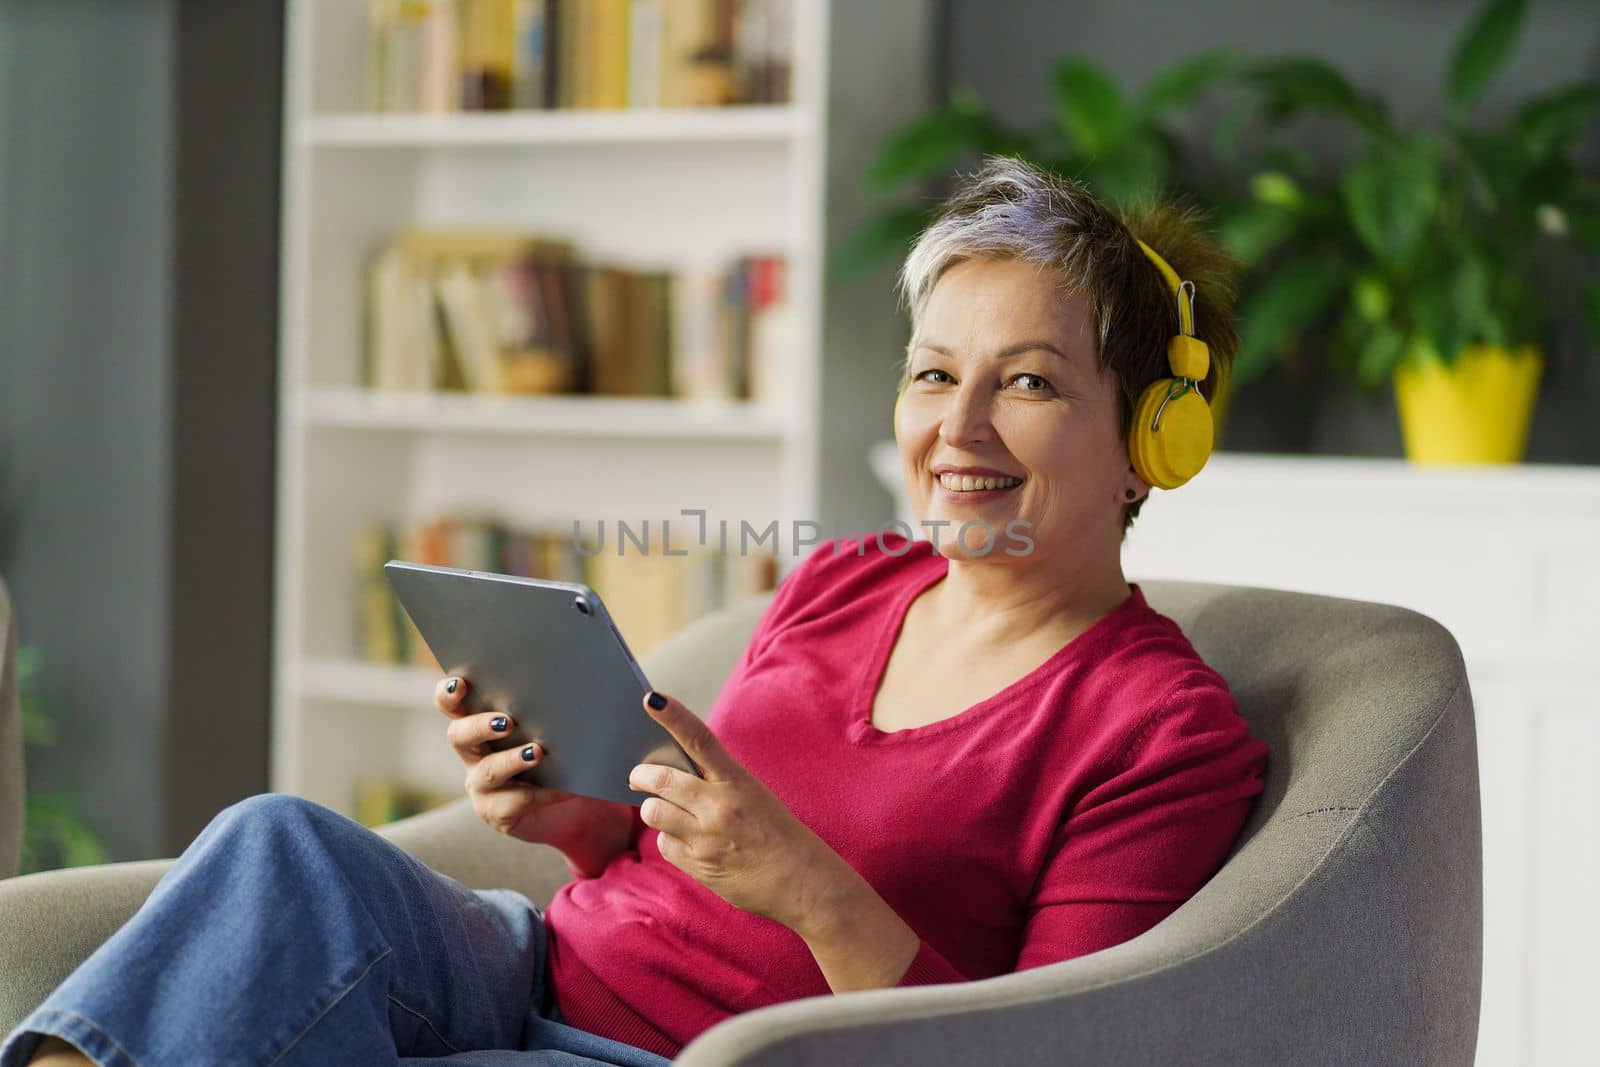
483 55
502 313
650 594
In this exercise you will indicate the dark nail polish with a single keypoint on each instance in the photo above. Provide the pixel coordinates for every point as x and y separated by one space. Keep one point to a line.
499 724
527 754
656 700
450 686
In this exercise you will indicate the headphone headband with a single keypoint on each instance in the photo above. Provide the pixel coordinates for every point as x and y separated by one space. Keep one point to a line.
1183 290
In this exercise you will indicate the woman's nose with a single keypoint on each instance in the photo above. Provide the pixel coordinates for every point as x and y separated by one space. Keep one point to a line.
966 419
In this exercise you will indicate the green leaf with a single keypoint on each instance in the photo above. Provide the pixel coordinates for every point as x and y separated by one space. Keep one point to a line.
1299 83
1226 130
1277 189
1433 316
1089 106
1136 165
1184 80
884 236
1284 304
1550 122
1483 48
1391 196
1371 297
964 99
1498 164
1378 355
1470 300
1584 227
51 819
1254 230
922 148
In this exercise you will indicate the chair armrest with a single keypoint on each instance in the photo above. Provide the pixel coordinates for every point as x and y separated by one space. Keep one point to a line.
52 921
1079 1013
454 841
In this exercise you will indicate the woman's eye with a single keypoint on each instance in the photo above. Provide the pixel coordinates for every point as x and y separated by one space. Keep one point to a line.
1032 383
919 375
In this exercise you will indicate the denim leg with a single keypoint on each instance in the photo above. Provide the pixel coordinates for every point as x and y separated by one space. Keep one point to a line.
287 934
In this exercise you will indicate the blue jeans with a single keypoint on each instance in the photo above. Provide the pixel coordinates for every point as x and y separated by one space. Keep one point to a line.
287 934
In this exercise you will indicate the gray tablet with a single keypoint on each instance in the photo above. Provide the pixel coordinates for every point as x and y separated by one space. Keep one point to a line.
548 655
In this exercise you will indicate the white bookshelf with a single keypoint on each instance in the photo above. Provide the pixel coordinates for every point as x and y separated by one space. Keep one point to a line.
655 189
748 124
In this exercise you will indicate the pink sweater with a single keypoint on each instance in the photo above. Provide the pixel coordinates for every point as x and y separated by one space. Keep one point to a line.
1071 811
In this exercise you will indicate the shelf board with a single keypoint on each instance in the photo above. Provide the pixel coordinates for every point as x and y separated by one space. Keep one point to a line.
358 682
748 122
535 416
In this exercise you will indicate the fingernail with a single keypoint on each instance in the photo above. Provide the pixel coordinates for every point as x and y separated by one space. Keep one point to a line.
656 700
527 754
450 686
499 724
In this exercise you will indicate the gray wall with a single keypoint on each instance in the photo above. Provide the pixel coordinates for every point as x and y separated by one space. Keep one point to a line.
86 121
882 72
1400 47
139 151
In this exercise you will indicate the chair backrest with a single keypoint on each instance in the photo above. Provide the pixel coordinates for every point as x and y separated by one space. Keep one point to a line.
1348 914
1351 902
11 782
693 663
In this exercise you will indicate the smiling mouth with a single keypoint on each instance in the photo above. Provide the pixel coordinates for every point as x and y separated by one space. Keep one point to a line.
969 483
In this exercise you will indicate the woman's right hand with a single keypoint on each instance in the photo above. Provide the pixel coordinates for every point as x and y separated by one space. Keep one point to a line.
577 825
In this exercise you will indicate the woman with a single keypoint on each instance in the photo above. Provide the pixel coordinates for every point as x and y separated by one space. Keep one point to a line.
927 766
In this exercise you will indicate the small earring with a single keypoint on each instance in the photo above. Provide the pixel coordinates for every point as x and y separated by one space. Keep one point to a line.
1131 494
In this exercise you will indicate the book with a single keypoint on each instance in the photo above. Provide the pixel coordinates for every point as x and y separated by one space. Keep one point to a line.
644 53
442 56
468 326
530 59
609 53
488 41
437 59
501 313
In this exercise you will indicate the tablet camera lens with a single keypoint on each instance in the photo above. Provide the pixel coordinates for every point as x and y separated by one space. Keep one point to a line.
581 604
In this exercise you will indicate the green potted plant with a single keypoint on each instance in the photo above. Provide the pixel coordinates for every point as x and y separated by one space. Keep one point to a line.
1123 146
1432 251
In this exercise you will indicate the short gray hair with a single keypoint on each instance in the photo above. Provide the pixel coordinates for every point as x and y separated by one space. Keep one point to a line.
1011 209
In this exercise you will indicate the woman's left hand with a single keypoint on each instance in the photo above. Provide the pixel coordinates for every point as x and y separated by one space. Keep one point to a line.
729 832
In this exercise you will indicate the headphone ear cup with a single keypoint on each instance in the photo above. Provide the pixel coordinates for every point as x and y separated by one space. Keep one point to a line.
1170 456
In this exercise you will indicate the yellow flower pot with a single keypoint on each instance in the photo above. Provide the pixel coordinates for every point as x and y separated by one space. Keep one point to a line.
1477 411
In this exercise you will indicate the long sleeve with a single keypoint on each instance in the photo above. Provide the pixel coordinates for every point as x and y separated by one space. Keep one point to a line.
1147 838
929 968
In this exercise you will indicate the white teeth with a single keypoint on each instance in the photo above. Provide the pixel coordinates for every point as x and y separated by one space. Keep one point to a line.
966 483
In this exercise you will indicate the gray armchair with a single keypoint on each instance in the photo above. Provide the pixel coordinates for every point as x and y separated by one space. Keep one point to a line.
1344 927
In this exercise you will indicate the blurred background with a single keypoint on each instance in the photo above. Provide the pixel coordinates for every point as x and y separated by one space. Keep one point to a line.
290 289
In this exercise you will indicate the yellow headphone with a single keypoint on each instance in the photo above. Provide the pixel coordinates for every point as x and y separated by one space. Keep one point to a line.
1171 435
